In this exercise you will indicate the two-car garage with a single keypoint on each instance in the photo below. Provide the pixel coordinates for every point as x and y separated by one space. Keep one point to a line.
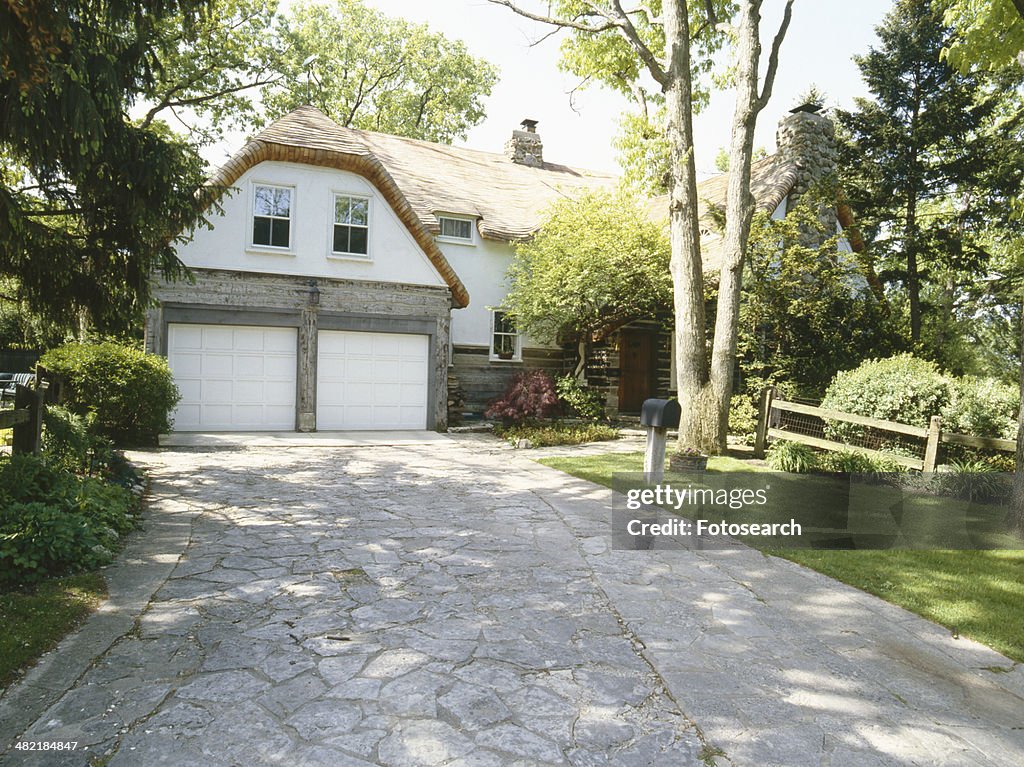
245 378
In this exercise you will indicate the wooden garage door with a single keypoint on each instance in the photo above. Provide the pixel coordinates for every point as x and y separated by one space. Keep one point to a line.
371 380
233 377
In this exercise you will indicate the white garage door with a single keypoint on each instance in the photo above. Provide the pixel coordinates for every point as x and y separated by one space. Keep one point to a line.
233 377
371 381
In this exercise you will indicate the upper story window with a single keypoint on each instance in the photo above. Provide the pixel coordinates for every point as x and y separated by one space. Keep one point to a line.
505 339
351 230
272 216
456 229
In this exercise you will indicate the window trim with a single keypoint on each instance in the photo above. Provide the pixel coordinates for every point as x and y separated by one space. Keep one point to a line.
342 255
517 355
471 240
254 246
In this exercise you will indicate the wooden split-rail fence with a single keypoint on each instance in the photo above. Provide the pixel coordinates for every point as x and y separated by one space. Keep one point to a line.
916 447
26 418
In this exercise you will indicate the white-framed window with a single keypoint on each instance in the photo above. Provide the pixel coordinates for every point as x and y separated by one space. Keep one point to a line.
272 207
506 343
350 232
456 229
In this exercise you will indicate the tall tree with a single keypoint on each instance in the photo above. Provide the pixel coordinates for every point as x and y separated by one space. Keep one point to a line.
367 70
90 201
668 43
920 166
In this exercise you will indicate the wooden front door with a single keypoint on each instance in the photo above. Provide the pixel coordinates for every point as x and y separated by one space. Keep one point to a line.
636 364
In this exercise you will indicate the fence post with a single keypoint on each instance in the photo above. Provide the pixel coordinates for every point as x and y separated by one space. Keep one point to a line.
931 449
763 418
27 435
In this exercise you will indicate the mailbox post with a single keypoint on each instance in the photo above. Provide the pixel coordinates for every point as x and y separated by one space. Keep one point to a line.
658 415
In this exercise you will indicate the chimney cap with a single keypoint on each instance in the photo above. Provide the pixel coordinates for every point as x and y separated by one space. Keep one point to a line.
810 107
530 126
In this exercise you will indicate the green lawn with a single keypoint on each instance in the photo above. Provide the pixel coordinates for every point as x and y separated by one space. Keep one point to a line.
34 621
979 594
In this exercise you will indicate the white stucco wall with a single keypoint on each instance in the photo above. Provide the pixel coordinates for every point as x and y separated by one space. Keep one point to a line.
394 255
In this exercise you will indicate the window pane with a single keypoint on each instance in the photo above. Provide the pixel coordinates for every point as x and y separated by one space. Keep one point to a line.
340 239
457 228
272 202
260 231
359 211
341 205
504 344
503 323
279 229
462 227
357 240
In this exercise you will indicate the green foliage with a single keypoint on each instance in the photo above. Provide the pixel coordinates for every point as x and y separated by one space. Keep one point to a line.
643 152
52 521
903 388
792 457
989 34
127 394
67 441
579 399
92 202
378 73
974 480
597 261
983 407
931 163
798 283
556 433
910 390
742 417
856 462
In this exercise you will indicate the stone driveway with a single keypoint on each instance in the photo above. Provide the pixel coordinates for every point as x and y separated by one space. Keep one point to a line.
455 603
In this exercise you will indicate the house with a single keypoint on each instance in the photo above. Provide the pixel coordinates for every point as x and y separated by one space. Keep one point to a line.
352 279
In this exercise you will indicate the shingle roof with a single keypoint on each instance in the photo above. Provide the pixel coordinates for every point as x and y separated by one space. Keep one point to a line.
771 180
421 179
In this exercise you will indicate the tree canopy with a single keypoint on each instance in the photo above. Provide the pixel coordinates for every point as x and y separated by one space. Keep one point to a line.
598 261
367 70
90 201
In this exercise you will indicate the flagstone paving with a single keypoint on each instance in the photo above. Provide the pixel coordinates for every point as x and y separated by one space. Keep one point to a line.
458 604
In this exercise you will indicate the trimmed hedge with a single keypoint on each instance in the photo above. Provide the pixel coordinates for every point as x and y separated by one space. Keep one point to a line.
126 394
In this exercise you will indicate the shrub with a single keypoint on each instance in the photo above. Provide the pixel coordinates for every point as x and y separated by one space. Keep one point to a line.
901 388
984 407
54 522
792 457
974 481
129 394
580 400
742 417
856 462
554 434
530 394
69 444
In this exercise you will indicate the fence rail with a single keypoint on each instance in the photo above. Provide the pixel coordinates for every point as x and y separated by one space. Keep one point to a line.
26 418
916 447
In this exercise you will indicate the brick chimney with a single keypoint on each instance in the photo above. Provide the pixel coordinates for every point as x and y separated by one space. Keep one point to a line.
525 147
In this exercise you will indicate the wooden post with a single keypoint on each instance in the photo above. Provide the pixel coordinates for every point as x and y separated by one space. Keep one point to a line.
931 449
28 434
654 456
763 418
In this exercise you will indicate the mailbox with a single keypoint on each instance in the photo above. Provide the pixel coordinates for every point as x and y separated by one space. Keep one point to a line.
660 413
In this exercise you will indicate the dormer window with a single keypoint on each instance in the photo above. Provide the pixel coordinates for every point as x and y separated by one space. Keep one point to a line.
456 229
351 230
272 216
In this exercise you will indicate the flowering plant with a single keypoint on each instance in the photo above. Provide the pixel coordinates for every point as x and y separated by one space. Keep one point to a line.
689 452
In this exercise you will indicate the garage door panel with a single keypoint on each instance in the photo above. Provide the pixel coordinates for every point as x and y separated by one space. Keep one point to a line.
371 380
233 377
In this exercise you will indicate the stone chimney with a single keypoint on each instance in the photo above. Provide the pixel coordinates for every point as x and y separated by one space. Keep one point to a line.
525 147
807 139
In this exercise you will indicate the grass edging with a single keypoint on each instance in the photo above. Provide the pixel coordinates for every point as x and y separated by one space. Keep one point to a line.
35 620
976 594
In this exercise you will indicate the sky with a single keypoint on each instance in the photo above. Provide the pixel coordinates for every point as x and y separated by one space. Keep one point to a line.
823 38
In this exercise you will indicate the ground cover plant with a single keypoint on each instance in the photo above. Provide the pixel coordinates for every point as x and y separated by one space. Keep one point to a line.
977 594
557 433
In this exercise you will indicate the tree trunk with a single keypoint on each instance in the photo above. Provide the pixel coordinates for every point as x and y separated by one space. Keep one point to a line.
1018 477
913 277
739 211
698 425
